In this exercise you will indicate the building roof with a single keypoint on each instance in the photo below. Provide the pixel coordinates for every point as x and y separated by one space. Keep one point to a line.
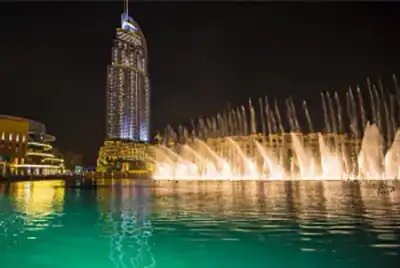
34 126
15 118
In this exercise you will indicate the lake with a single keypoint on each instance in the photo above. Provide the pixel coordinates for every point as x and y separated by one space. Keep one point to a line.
169 224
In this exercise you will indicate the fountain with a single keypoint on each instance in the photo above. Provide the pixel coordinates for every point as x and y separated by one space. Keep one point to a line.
354 143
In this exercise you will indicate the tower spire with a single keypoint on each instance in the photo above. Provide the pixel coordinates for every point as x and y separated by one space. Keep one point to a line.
126 2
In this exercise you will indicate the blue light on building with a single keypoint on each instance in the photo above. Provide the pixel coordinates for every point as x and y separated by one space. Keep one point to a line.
127 23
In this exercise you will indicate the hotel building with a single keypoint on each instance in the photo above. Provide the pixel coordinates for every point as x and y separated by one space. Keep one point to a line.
128 102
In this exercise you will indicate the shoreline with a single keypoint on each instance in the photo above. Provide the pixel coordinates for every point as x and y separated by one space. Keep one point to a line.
38 178
147 177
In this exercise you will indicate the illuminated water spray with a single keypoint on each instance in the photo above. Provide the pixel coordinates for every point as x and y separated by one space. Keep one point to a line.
360 140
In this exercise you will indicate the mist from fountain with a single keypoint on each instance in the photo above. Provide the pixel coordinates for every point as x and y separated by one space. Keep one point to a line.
355 143
304 158
370 159
392 158
331 162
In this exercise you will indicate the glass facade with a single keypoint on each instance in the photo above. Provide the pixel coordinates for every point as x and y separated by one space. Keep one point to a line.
128 103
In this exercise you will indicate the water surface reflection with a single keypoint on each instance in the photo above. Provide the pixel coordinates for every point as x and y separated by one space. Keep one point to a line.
127 223
29 207
124 206
308 215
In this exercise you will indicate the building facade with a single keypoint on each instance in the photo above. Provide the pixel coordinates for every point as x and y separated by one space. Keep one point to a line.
25 148
126 148
13 142
125 156
128 91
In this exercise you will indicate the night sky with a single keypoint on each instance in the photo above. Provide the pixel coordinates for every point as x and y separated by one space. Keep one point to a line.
53 58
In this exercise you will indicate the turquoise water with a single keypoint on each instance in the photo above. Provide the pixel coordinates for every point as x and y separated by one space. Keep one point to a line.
166 224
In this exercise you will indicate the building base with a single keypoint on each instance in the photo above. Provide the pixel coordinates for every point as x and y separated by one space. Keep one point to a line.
125 157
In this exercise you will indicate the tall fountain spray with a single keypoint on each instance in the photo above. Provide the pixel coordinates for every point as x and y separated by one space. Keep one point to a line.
360 140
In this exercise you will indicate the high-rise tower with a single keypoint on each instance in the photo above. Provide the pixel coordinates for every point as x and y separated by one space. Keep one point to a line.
128 92
126 148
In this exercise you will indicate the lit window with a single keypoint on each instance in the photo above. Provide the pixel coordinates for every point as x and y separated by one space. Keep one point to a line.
23 138
17 138
10 137
2 136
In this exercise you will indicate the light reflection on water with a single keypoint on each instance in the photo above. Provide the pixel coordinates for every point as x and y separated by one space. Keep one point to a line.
125 223
29 207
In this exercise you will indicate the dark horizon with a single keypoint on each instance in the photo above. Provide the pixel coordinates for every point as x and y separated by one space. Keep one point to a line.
201 56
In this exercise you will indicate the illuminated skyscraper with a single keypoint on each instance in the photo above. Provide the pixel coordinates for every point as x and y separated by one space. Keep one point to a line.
128 91
126 148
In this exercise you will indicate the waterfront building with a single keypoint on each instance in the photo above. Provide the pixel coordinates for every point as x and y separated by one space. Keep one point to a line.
27 148
126 147
13 145
128 102
125 156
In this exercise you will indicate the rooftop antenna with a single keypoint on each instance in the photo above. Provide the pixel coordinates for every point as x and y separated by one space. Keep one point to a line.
126 2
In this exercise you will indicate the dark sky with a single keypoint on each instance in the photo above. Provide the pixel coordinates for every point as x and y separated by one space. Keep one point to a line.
53 58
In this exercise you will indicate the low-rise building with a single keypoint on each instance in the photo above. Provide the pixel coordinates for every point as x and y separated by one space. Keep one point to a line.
26 148
13 142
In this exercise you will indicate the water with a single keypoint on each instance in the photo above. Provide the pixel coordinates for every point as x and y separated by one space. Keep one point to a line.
315 156
359 140
169 224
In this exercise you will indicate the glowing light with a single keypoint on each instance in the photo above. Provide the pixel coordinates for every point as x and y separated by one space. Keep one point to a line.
127 23
53 159
36 166
226 147
47 146
128 103
204 163
39 198
40 154
144 133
